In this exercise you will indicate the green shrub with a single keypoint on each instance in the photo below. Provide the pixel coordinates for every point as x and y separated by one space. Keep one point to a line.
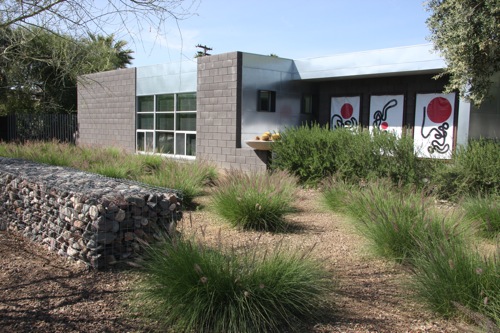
394 219
486 212
198 289
399 162
305 151
255 200
474 170
452 278
314 153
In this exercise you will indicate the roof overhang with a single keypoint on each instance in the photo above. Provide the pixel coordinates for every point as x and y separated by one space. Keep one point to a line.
407 60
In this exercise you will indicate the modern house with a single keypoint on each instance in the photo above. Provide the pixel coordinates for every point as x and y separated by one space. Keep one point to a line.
210 107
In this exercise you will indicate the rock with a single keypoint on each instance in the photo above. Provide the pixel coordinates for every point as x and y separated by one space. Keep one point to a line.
128 236
111 260
139 202
78 207
79 224
93 212
106 237
120 215
72 252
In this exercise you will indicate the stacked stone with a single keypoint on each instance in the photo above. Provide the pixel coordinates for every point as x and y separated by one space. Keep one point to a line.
97 220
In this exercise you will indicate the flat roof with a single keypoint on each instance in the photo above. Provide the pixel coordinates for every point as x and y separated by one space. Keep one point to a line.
382 62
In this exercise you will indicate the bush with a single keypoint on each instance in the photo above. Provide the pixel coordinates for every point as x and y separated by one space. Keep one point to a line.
199 289
399 162
474 170
305 151
486 212
393 219
314 153
256 200
454 278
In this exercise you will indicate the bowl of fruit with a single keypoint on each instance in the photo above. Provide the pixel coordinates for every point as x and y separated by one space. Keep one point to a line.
264 141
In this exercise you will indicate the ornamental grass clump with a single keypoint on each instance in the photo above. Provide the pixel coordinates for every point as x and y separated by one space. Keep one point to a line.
190 287
485 211
394 219
452 277
189 177
255 200
335 194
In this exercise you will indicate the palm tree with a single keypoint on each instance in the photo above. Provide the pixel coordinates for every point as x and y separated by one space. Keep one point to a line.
121 56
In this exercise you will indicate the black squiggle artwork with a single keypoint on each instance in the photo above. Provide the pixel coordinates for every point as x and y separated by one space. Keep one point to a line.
438 145
381 116
337 121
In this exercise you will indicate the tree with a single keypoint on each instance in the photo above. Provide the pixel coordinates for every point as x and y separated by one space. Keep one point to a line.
40 69
78 17
46 44
467 33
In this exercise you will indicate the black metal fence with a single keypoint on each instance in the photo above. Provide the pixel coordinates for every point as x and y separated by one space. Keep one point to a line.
39 127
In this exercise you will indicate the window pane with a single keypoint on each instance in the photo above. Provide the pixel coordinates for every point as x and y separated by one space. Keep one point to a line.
165 143
149 142
145 103
165 121
180 144
186 122
307 104
145 121
191 144
165 103
140 141
186 102
266 101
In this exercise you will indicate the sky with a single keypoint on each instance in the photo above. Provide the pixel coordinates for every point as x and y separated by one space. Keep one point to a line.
293 29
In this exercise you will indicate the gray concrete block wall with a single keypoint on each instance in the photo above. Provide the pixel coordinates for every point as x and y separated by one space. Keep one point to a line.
218 121
106 109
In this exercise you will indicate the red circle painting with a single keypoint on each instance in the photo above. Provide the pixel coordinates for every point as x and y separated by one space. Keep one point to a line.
346 111
384 126
439 110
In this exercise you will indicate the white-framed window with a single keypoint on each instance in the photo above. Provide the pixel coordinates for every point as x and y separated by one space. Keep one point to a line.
166 124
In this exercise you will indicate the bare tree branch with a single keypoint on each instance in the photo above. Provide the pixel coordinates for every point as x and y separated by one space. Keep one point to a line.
80 17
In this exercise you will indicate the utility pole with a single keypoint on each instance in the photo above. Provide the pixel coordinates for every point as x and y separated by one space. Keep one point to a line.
204 52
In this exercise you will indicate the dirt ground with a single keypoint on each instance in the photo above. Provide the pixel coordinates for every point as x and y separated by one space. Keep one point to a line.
42 292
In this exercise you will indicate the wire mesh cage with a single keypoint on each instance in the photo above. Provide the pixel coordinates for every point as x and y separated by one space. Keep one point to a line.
98 220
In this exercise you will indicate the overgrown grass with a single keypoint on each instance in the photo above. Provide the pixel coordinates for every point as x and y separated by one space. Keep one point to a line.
52 153
315 152
485 211
474 170
335 194
194 288
256 200
189 177
452 277
393 219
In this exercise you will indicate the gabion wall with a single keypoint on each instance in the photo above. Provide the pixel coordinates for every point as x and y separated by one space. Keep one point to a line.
97 220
